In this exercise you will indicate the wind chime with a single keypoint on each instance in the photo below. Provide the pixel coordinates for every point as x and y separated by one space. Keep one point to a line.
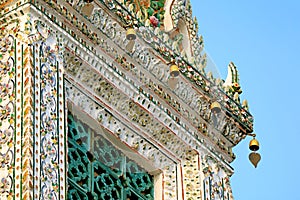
254 156
88 8
131 36
174 73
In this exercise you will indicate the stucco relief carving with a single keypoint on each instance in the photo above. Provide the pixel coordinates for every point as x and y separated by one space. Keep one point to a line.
112 96
163 50
232 131
8 116
143 55
191 176
99 113
7 112
170 189
216 183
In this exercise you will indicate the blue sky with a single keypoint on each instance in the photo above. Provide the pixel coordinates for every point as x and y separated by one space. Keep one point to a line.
262 38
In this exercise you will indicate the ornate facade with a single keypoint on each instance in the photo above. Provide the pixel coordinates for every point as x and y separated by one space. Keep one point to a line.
87 113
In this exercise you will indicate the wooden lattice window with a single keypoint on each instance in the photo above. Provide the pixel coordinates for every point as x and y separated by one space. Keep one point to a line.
98 170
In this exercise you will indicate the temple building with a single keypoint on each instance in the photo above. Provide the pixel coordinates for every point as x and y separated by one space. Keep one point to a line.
112 100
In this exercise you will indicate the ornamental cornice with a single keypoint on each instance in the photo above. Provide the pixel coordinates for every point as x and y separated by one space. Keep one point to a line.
154 159
82 101
114 80
113 92
159 42
108 46
114 31
162 45
191 70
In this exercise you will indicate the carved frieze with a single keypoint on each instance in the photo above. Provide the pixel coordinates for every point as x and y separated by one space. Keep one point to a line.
107 92
135 140
188 71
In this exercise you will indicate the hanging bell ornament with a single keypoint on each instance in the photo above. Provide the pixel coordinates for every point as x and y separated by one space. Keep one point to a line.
215 107
254 158
88 8
172 82
174 70
130 34
254 145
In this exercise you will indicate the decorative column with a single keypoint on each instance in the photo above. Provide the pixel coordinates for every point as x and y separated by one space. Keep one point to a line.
49 116
216 184
191 176
9 135
32 124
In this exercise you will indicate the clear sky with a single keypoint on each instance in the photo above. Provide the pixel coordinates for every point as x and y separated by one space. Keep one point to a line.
262 38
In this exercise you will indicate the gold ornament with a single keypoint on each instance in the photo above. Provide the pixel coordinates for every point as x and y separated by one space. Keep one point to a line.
254 158
215 107
254 145
174 70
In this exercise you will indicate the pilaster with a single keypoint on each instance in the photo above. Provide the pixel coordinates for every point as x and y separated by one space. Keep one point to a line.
32 106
